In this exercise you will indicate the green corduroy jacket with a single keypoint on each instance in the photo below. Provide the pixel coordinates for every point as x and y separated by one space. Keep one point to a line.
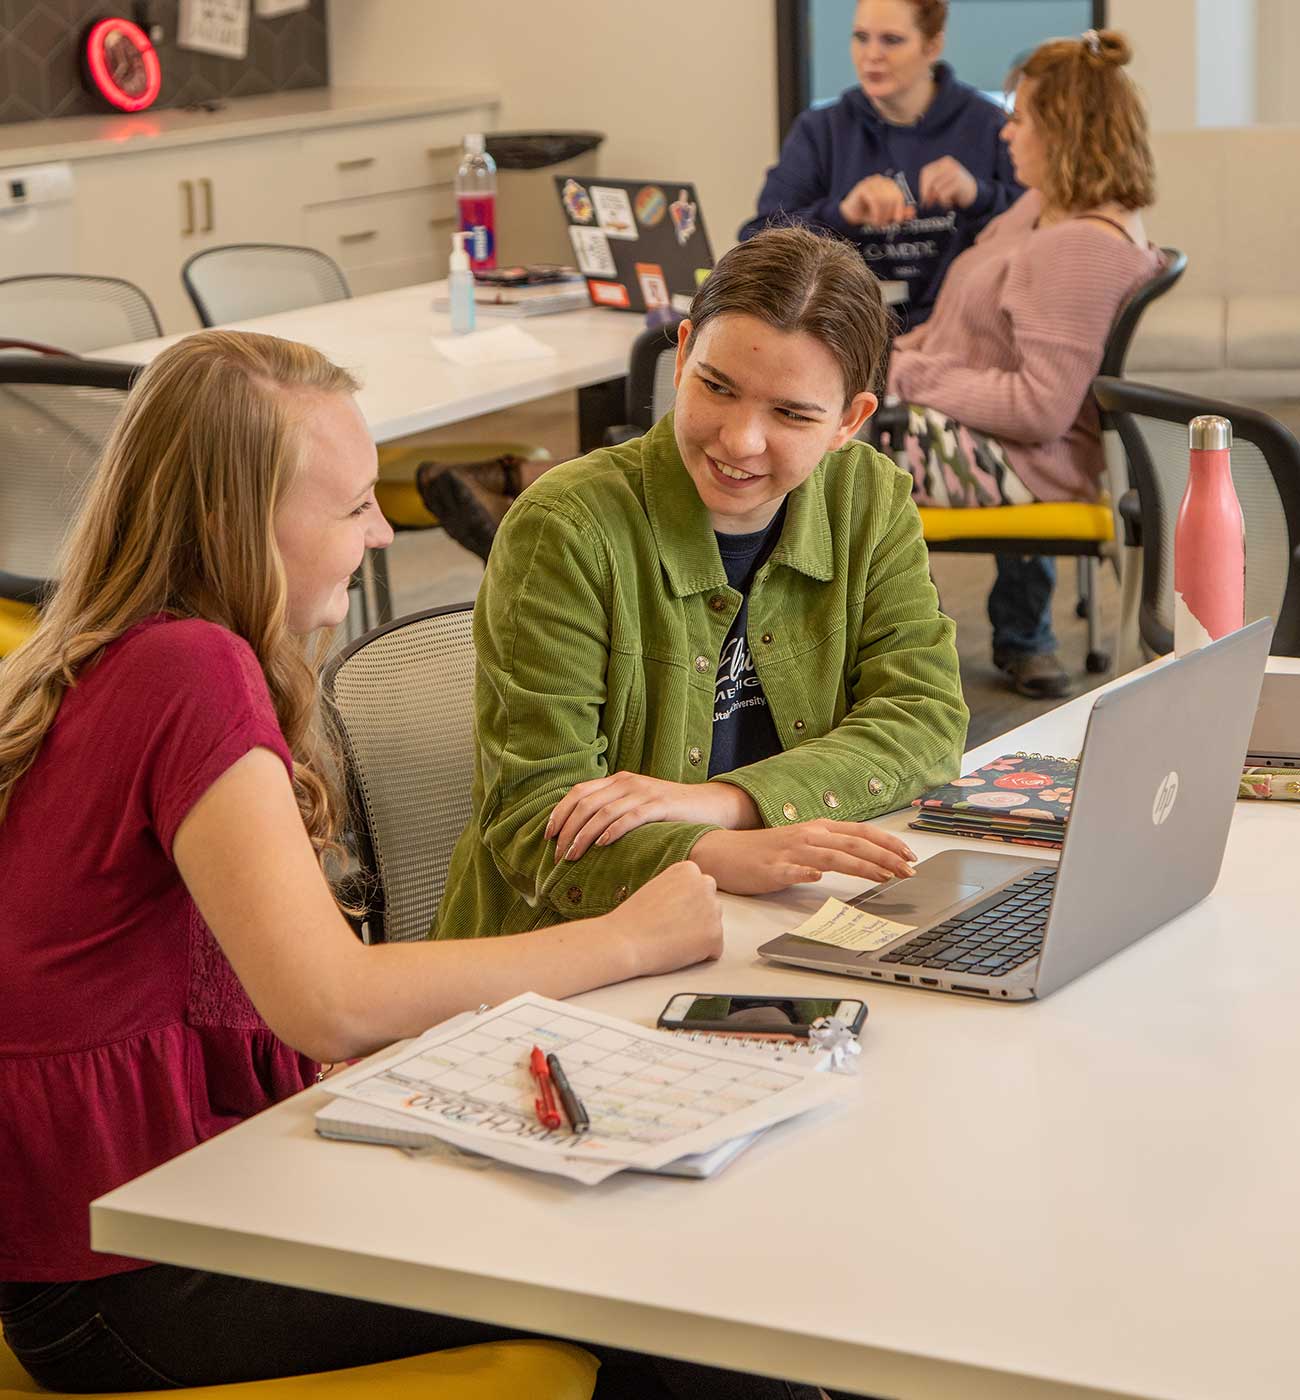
598 629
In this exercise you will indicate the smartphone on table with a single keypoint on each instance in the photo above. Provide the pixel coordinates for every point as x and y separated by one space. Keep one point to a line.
786 1017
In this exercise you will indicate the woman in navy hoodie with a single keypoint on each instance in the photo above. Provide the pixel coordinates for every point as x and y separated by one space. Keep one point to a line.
908 166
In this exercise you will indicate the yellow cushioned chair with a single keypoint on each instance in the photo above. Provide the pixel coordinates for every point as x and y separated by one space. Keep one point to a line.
17 621
492 1371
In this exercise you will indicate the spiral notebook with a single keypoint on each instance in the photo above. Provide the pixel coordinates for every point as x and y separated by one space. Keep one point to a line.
1022 798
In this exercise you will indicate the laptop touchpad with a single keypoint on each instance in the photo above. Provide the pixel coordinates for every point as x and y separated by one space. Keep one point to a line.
916 901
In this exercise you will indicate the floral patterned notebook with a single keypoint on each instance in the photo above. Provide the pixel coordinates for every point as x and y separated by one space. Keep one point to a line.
1023 796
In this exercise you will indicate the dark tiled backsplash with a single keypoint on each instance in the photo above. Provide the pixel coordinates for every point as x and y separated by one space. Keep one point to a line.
40 66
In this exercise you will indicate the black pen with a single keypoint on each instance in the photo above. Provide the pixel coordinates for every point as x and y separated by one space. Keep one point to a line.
572 1104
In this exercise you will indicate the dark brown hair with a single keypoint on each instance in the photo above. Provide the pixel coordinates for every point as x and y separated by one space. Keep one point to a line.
1092 122
795 280
931 16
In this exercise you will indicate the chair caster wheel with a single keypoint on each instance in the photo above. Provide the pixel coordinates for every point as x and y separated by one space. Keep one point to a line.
1081 608
1097 662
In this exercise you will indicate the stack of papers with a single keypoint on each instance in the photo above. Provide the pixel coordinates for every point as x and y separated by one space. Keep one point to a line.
652 1098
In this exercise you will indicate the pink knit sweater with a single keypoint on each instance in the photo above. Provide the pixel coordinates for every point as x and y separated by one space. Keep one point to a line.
1016 338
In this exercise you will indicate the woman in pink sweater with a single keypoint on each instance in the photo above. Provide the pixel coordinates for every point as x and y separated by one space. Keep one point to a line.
997 381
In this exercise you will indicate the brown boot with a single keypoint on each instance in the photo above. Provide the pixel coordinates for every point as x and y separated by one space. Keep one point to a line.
470 499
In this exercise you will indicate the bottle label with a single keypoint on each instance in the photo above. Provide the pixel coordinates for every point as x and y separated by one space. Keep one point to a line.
478 217
1190 633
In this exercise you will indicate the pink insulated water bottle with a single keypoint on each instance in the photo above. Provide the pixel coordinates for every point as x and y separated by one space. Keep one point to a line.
1209 542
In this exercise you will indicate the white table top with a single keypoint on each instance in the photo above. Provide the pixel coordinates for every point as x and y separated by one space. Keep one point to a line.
1096 1193
408 385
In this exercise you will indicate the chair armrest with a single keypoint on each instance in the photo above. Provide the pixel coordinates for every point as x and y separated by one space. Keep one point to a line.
622 432
1130 514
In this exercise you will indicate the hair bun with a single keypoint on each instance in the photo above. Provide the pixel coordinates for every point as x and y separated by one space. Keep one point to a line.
1108 47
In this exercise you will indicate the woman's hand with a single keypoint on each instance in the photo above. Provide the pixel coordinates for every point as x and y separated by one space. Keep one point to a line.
876 201
672 921
600 811
762 862
947 183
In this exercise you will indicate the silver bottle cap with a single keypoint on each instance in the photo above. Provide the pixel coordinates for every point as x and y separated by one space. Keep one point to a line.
1209 433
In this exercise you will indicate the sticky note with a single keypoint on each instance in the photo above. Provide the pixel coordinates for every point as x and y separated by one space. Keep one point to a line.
842 926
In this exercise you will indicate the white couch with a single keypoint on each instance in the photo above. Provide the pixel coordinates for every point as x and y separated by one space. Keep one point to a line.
1230 199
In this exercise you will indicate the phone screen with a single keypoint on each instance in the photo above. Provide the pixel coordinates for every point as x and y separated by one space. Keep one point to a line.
788 1014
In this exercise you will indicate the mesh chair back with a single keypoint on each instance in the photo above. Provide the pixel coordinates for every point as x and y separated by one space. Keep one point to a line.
75 314
1152 424
55 415
650 391
404 695
244 280
1125 324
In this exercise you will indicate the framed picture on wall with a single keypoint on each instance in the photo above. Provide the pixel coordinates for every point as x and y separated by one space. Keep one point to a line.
984 39
214 26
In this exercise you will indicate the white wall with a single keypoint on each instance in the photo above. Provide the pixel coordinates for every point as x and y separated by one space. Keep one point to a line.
684 89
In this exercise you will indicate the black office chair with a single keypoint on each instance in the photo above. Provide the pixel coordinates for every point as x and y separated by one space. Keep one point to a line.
56 413
650 391
1152 425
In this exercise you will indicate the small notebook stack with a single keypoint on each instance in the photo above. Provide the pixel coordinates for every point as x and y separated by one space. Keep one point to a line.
1023 798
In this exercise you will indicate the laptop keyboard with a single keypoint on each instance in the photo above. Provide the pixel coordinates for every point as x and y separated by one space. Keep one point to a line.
991 938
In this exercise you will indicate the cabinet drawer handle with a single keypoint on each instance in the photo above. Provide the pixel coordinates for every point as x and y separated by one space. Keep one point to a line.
364 236
187 190
359 163
208 207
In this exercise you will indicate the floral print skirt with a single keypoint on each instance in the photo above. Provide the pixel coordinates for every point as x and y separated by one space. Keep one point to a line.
952 465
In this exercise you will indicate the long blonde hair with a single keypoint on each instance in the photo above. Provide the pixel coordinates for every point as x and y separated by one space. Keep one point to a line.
179 519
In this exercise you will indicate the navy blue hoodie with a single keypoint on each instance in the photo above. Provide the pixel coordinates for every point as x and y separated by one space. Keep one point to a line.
829 149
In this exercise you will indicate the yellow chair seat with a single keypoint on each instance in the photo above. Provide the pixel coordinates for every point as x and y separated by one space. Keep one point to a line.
397 493
1043 520
17 622
492 1371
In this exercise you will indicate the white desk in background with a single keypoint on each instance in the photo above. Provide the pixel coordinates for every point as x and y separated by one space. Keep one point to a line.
409 387
1093 1194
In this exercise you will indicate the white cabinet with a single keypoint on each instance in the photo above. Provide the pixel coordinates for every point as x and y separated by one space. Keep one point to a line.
143 215
375 193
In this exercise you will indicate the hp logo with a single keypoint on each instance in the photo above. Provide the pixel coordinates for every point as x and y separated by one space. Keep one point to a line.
1166 796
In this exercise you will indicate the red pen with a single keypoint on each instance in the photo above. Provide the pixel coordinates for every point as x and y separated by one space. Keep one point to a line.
548 1115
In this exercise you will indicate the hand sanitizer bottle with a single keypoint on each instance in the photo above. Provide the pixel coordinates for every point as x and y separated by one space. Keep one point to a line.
1209 542
460 286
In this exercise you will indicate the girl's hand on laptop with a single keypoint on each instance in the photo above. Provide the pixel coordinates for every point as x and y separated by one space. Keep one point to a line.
762 862
600 811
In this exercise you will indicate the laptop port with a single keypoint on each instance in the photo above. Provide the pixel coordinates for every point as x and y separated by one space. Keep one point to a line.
899 977
928 981
979 991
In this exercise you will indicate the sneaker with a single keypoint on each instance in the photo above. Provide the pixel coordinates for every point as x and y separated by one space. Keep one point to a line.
469 499
1039 675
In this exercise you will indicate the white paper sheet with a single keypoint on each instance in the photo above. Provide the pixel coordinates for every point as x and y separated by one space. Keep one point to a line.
842 926
497 345
650 1097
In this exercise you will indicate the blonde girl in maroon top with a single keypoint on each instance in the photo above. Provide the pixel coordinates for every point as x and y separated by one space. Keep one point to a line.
174 958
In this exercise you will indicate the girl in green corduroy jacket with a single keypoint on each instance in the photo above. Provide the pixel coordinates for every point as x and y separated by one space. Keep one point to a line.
720 641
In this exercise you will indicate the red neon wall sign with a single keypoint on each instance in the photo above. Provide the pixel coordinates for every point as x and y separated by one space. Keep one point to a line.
123 64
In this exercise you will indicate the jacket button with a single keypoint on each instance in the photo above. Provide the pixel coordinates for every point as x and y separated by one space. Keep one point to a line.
574 894
717 603
800 726
830 799
620 894
767 639
875 786
695 756
790 812
702 664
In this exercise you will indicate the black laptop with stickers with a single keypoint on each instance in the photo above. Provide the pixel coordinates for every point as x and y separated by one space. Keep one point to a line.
639 243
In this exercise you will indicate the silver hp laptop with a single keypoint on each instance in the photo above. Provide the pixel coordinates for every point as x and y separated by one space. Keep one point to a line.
1148 826
1275 736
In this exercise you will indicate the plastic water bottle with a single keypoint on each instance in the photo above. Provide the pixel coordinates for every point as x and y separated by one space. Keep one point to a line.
1209 542
476 202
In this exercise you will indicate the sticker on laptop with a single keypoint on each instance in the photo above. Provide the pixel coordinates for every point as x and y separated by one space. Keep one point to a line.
609 294
842 926
651 205
654 287
591 250
614 211
683 212
577 201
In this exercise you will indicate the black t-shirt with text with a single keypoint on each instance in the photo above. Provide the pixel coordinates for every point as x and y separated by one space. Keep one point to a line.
743 731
